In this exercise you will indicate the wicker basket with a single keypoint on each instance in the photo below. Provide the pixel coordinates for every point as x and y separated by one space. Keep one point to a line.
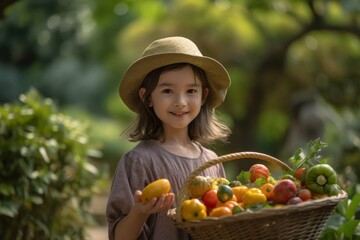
302 221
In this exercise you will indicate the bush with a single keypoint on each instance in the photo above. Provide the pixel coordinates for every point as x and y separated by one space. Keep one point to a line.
46 179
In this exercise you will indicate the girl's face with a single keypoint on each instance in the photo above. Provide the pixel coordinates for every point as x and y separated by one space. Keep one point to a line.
177 98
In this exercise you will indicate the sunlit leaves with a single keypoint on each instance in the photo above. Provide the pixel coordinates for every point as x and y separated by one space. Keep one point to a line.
44 168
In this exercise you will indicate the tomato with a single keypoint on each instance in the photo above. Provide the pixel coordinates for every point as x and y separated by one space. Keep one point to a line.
239 192
193 209
224 193
220 211
155 190
267 189
210 198
258 171
304 194
300 174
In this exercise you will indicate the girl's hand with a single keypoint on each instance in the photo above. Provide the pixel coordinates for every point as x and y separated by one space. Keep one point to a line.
156 205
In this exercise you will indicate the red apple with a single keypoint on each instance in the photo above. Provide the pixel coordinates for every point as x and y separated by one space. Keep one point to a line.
258 171
284 190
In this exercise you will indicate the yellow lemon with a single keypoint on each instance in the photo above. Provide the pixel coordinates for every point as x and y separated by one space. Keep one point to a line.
155 190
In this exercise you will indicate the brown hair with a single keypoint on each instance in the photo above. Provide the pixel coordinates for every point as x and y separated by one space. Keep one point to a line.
204 128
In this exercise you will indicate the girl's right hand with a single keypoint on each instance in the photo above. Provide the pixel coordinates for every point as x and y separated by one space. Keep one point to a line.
156 205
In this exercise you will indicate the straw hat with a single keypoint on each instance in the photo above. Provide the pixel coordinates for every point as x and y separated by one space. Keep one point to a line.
167 51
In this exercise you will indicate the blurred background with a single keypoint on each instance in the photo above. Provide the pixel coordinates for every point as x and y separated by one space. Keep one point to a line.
295 69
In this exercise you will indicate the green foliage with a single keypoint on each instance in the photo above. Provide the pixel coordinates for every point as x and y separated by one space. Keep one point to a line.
46 180
344 223
308 157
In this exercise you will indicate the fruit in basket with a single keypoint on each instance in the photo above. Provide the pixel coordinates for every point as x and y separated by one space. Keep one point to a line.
258 171
231 204
271 180
220 181
304 194
300 174
319 176
292 178
267 189
283 190
210 199
294 201
239 192
199 185
220 212
318 196
193 209
253 196
224 193
155 189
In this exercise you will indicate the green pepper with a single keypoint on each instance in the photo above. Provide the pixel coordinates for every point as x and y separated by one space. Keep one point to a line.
319 176
332 189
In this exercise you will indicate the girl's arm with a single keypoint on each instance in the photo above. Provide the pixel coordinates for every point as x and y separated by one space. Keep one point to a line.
130 227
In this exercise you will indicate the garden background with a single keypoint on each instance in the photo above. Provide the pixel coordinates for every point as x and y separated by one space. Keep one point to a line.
294 67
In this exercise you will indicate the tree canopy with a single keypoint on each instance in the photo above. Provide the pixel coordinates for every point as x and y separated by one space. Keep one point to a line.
283 57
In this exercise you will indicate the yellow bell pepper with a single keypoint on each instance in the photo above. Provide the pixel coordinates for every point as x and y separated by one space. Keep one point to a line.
193 209
253 196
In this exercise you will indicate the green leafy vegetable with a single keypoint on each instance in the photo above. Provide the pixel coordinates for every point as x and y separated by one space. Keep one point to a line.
244 177
308 157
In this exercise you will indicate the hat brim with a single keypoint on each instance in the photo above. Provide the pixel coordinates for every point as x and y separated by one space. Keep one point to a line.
217 76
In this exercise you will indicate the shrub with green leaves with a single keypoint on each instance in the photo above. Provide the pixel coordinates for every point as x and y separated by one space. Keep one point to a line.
46 179
344 222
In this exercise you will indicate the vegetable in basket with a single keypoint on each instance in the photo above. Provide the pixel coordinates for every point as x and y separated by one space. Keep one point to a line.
322 178
193 209
313 171
225 193
253 196
258 171
200 185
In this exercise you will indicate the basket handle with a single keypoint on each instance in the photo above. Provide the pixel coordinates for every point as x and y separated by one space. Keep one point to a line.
183 193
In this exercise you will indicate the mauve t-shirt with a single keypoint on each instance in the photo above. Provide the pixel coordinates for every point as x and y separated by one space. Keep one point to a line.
144 164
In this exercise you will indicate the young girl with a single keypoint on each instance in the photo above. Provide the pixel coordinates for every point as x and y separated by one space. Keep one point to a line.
174 90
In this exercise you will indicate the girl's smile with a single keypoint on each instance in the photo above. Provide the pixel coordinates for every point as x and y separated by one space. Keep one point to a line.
179 114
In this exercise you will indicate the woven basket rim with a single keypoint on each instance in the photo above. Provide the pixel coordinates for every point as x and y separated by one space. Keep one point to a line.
262 213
